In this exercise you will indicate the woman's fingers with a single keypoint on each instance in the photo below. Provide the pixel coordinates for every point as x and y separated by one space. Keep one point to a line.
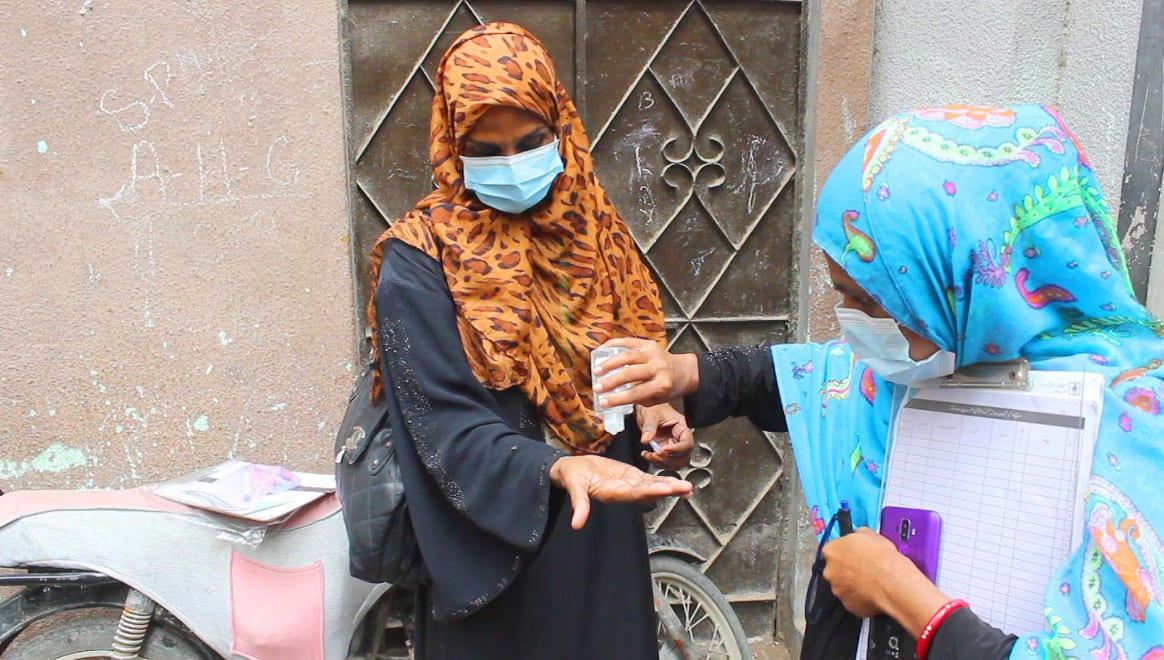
639 351
646 388
633 374
855 565
668 426
579 501
667 487
682 438
648 424
647 394
674 439
619 482
607 480
674 456
619 360
666 461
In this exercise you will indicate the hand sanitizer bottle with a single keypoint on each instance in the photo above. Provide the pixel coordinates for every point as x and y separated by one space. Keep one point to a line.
612 418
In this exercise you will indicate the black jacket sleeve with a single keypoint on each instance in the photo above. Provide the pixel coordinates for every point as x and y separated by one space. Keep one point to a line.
478 491
474 456
963 636
733 382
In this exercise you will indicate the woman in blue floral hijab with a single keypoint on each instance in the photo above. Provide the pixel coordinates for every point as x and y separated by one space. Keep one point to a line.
983 235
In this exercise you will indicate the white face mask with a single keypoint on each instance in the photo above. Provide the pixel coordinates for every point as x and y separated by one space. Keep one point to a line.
880 344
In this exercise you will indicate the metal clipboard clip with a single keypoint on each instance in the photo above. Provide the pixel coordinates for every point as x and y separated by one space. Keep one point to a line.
1013 375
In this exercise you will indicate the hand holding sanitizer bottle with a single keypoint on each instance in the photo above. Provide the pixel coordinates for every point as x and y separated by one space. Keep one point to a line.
613 419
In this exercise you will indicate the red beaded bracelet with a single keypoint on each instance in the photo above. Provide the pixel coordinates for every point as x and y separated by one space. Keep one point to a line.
935 622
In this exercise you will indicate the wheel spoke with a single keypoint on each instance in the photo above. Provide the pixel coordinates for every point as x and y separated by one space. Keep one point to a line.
694 624
709 632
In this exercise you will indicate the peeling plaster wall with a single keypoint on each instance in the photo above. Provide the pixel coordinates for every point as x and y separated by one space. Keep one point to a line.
840 44
175 284
840 76
1077 55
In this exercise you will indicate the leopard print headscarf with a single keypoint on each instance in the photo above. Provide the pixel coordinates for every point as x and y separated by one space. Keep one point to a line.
534 292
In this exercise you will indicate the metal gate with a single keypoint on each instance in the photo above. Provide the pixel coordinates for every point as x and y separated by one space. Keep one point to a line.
694 113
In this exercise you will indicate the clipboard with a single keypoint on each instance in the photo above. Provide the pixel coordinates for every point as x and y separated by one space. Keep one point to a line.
1004 455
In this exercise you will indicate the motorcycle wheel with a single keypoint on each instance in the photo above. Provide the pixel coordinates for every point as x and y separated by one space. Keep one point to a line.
87 634
707 617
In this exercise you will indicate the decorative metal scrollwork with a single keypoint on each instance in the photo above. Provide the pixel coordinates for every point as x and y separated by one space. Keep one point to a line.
685 169
699 471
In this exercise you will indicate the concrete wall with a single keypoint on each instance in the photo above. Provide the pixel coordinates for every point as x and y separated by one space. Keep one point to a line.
1077 55
840 52
174 274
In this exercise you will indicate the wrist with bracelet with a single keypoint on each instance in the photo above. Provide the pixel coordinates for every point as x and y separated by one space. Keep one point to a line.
935 622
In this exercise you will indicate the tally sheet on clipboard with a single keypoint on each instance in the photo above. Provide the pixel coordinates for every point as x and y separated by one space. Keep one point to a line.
1008 472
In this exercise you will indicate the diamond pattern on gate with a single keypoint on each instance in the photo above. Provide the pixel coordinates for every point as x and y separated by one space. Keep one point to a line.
721 505
709 160
704 147
402 152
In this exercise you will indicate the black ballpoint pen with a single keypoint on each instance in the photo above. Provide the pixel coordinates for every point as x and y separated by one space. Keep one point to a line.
845 518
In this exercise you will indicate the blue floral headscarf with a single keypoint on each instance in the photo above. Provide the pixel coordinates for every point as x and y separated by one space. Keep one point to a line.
985 231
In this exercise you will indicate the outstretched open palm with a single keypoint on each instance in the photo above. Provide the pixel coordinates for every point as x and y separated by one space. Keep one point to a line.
607 480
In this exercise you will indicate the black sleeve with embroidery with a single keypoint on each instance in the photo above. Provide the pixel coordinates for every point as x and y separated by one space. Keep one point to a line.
734 382
490 473
478 490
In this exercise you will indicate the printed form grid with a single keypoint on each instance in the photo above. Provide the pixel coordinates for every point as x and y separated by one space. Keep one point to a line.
1005 489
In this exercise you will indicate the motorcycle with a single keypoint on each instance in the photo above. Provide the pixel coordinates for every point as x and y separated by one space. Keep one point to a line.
129 574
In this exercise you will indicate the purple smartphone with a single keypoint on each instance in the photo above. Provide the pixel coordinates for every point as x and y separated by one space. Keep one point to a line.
916 533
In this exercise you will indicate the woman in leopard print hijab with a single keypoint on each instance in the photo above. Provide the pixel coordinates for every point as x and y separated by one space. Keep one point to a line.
485 315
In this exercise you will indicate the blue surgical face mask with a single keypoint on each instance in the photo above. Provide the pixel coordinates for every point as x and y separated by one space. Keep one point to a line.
880 344
514 183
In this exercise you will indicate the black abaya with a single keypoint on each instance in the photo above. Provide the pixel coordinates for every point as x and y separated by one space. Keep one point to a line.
510 578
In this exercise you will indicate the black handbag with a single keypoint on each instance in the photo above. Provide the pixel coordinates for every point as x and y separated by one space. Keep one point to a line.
831 631
382 545
835 633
